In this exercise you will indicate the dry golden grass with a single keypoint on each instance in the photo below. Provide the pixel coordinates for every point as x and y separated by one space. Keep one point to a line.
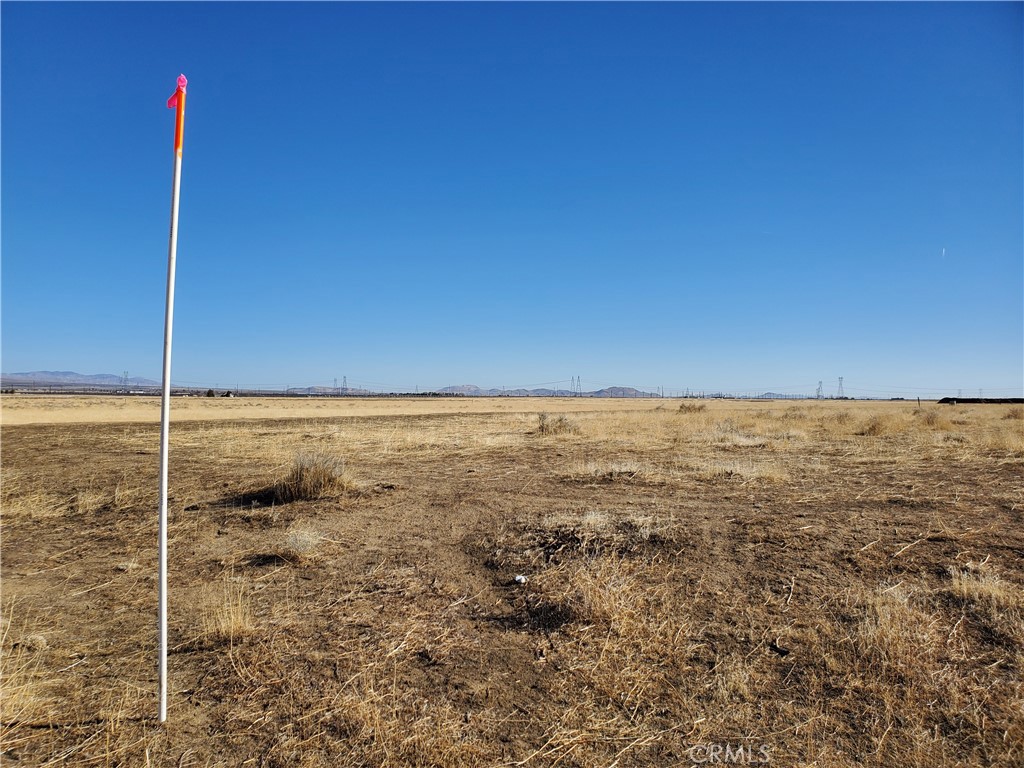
57 409
747 470
834 581
615 471
882 424
21 658
18 499
88 501
225 614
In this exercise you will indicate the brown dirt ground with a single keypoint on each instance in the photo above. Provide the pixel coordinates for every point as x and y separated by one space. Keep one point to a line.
833 583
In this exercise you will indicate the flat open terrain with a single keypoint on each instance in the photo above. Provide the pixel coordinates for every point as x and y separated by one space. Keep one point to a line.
813 583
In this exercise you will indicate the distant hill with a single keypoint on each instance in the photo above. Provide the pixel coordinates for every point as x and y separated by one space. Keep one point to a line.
466 389
72 379
471 390
621 392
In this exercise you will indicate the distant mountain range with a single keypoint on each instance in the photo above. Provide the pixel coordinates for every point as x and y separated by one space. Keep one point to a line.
72 379
109 381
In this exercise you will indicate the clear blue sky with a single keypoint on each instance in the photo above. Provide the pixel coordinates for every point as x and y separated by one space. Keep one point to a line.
714 196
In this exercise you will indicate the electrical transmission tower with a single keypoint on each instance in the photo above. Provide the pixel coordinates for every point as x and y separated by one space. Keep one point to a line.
819 394
344 382
840 395
124 380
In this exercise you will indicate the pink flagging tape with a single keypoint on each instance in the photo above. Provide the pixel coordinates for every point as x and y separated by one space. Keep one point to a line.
182 83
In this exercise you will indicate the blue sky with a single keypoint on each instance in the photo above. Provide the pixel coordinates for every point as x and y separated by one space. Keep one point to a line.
709 196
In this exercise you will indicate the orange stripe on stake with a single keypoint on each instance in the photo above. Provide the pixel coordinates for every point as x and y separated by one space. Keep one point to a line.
177 100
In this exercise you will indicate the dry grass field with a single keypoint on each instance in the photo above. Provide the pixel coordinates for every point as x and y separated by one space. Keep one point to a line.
470 583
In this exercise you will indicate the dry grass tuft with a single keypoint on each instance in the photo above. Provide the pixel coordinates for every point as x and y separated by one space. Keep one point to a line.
18 499
615 471
225 613
690 407
896 637
315 476
87 501
1005 439
1016 413
881 424
932 417
741 470
999 602
560 425
129 495
301 543
21 655
728 434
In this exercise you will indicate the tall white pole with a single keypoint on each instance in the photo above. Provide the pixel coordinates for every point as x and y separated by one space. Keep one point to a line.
176 101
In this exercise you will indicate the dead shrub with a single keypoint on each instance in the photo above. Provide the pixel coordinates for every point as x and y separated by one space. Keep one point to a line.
881 424
687 407
300 544
1016 413
932 418
559 425
315 476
